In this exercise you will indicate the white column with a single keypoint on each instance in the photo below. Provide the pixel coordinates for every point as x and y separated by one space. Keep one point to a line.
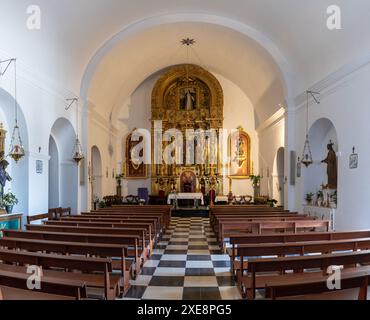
289 194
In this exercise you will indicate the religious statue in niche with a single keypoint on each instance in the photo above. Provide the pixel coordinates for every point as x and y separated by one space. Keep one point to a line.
332 169
188 99
134 170
240 155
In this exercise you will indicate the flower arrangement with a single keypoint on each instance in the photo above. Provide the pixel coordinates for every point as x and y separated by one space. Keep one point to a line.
256 180
309 197
8 202
272 203
9 199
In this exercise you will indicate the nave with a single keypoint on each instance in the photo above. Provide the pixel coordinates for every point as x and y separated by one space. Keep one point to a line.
187 264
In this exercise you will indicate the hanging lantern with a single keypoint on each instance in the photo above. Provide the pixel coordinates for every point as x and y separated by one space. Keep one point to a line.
78 155
16 147
307 159
77 152
307 155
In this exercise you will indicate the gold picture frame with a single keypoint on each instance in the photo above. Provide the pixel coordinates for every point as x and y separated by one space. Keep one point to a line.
240 156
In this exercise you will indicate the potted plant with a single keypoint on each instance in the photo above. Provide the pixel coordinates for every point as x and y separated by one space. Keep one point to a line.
102 205
9 201
320 197
309 198
272 203
256 182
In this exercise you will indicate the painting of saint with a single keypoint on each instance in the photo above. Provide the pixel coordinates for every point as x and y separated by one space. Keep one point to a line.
240 155
134 170
188 99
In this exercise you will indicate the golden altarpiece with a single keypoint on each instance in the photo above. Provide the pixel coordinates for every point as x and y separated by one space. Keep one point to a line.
187 97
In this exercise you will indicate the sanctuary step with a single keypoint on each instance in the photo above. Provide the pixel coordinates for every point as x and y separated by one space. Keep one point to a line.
190 212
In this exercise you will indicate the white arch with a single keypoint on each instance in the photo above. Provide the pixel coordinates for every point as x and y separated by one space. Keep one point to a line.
279 176
19 172
97 172
64 135
154 21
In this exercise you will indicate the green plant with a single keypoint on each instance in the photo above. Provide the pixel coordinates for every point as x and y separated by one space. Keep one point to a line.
9 199
256 180
272 203
334 197
309 197
320 194
102 205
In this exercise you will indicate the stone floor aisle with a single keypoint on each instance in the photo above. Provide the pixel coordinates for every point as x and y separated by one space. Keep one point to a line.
186 265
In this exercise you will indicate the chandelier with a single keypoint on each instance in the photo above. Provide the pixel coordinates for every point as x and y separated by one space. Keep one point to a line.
78 155
16 150
307 159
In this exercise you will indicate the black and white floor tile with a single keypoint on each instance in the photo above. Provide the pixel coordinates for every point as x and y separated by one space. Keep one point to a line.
187 264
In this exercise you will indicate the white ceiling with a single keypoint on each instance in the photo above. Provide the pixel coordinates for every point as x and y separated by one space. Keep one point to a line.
74 30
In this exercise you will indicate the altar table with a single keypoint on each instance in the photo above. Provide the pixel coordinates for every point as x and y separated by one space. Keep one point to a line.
186 196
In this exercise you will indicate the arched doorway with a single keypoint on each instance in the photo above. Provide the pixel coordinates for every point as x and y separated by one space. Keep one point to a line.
279 177
64 137
18 171
54 193
96 173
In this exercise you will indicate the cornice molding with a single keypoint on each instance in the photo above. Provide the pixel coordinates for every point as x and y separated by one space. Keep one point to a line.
334 81
273 120
38 80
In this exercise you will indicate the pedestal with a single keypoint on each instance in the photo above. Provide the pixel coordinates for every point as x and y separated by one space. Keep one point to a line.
321 213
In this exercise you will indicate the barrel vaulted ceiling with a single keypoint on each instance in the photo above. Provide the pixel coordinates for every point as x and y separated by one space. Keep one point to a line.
103 49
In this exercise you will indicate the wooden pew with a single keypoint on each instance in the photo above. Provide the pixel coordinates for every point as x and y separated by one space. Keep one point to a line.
14 285
252 214
84 235
238 240
153 230
222 220
229 228
137 209
161 226
354 286
97 276
76 248
147 225
38 217
273 265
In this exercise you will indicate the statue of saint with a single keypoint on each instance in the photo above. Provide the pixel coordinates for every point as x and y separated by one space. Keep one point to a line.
190 100
4 176
332 170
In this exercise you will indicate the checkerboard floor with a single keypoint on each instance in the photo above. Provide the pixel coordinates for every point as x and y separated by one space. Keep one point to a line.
187 264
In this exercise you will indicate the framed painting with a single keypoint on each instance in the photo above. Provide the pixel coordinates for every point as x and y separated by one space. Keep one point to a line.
39 166
353 161
240 166
133 169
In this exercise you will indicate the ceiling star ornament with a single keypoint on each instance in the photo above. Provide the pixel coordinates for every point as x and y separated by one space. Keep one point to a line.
78 155
307 159
17 151
188 42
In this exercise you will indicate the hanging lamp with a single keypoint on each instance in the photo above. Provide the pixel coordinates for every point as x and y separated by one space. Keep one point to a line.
16 146
307 159
77 154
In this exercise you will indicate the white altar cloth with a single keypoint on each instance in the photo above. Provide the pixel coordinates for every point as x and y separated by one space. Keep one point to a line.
186 196
222 199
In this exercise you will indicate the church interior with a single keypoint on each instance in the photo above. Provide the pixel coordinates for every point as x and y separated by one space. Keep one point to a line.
186 150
